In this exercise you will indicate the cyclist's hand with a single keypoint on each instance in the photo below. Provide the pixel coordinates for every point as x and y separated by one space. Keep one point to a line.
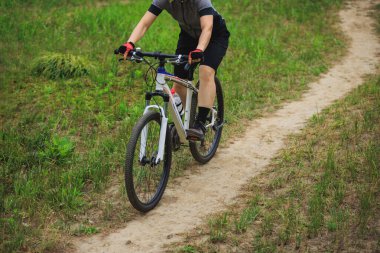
196 56
126 48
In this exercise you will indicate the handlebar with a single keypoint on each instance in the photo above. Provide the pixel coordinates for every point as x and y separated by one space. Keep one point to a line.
138 56
156 55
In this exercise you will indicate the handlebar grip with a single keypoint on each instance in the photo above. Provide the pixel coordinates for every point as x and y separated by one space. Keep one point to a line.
120 50
117 51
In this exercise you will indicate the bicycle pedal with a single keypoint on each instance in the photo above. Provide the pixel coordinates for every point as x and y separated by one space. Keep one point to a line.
220 126
194 138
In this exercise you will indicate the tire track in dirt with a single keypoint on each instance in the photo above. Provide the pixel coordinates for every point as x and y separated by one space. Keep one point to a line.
209 188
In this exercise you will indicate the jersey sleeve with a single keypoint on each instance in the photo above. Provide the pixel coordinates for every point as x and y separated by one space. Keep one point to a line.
156 7
205 7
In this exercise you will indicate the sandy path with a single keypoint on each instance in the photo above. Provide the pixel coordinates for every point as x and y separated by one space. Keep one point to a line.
209 188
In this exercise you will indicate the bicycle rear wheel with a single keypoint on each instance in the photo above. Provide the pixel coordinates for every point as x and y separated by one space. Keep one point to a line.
204 151
145 180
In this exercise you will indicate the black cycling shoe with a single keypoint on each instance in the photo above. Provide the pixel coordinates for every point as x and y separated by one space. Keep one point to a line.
197 133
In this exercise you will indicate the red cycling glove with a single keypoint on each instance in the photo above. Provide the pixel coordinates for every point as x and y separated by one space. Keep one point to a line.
126 48
196 56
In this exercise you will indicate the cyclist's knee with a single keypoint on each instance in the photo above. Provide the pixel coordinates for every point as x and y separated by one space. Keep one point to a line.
206 74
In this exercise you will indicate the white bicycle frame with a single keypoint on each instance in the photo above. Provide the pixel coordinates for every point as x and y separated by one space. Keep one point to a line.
181 126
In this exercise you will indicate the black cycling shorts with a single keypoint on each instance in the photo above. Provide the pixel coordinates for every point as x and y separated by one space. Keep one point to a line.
213 54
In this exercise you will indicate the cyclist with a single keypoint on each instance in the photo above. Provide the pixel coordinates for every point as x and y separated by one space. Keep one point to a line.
203 36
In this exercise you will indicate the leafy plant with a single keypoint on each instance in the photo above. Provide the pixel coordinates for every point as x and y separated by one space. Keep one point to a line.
57 149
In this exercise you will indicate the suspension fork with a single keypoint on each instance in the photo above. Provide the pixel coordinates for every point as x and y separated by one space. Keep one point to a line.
164 124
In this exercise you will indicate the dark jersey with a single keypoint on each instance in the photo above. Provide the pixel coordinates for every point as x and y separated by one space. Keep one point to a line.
188 13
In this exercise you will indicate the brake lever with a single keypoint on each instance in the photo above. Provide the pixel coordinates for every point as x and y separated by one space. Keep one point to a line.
133 57
136 58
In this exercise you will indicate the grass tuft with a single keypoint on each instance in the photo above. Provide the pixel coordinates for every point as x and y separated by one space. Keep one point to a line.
58 149
61 66
247 217
218 228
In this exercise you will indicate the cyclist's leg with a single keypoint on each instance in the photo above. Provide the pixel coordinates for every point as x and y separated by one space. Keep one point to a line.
181 91
206 95
213 56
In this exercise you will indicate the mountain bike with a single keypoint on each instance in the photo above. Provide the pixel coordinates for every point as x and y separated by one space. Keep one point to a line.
153 138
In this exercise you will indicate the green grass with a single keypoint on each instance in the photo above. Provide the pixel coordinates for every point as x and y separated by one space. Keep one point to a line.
65 124
85 230
321 194
247 217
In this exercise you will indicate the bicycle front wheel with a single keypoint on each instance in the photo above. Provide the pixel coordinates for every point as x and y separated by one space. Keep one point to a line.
145 179
203 151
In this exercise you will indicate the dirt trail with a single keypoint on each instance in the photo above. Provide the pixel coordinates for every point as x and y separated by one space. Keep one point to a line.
209 188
